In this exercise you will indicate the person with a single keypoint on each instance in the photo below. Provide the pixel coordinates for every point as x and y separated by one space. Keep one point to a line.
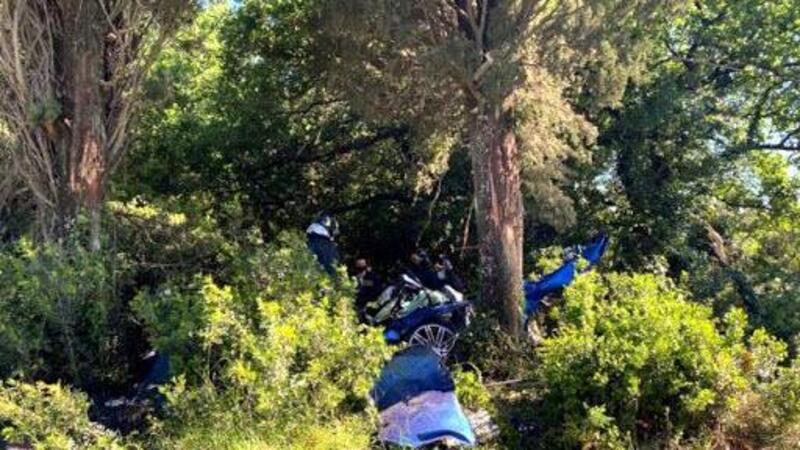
370 285
445 272
321 235
421 269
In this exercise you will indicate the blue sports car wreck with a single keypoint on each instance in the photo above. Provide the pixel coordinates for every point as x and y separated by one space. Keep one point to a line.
416 398
411 313
415 393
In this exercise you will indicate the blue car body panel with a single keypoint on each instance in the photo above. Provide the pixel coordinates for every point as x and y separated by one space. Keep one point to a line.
399 329
535 291
415 396
595 249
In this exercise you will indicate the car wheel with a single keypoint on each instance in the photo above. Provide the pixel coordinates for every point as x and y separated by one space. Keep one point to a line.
438 337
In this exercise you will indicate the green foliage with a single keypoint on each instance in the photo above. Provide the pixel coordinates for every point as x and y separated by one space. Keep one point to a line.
598 431
633 359
240 111
279 350
50 417
260 113
470 390
487 346
764 234
768 416
64 312
690 148
176 237
440 66
634 362
60 314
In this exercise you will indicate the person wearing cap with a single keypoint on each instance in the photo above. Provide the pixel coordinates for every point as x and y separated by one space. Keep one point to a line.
321 235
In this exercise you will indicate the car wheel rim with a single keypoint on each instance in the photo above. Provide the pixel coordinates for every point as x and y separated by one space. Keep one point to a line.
438 338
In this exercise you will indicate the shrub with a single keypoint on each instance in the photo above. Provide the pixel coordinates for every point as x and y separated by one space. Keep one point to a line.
470 390
487 346
632 360
172 238
49 416
768 415
64 310
280 350
61 317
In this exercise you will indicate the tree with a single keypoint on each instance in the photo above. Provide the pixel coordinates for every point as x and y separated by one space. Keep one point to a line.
690 159
70 71
237 113
722 84
497 76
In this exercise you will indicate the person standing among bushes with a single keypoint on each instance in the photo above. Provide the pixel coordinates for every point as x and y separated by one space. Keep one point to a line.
369 284
321 236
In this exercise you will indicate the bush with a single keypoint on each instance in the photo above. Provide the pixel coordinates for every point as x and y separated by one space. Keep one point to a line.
471 392
64 310
172 238
488 347
280 351
48 416
633 361
768 415
61 317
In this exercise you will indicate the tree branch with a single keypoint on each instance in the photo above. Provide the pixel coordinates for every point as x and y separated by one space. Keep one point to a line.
780 147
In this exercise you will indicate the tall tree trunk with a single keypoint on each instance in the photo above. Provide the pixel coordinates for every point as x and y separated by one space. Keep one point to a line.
86 164
496 172
70 72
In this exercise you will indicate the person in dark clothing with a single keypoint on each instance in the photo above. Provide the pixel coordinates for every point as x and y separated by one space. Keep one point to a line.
370 285
321 236
421 269
445 272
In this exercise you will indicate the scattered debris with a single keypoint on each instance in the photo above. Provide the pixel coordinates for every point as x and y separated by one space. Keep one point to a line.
128 412
483 426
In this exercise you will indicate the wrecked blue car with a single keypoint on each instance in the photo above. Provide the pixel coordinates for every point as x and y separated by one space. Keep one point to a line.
411 313
415 396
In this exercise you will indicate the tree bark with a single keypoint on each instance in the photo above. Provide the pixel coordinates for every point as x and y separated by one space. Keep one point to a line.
69 72
499 215
84 64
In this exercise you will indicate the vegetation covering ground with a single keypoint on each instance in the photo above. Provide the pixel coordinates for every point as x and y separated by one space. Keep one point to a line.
160 161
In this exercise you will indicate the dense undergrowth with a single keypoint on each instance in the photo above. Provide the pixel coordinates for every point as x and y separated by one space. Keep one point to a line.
265 349
632 361
266 352
279 351
635 362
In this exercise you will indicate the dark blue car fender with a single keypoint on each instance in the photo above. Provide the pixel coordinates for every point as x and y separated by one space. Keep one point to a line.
455 315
